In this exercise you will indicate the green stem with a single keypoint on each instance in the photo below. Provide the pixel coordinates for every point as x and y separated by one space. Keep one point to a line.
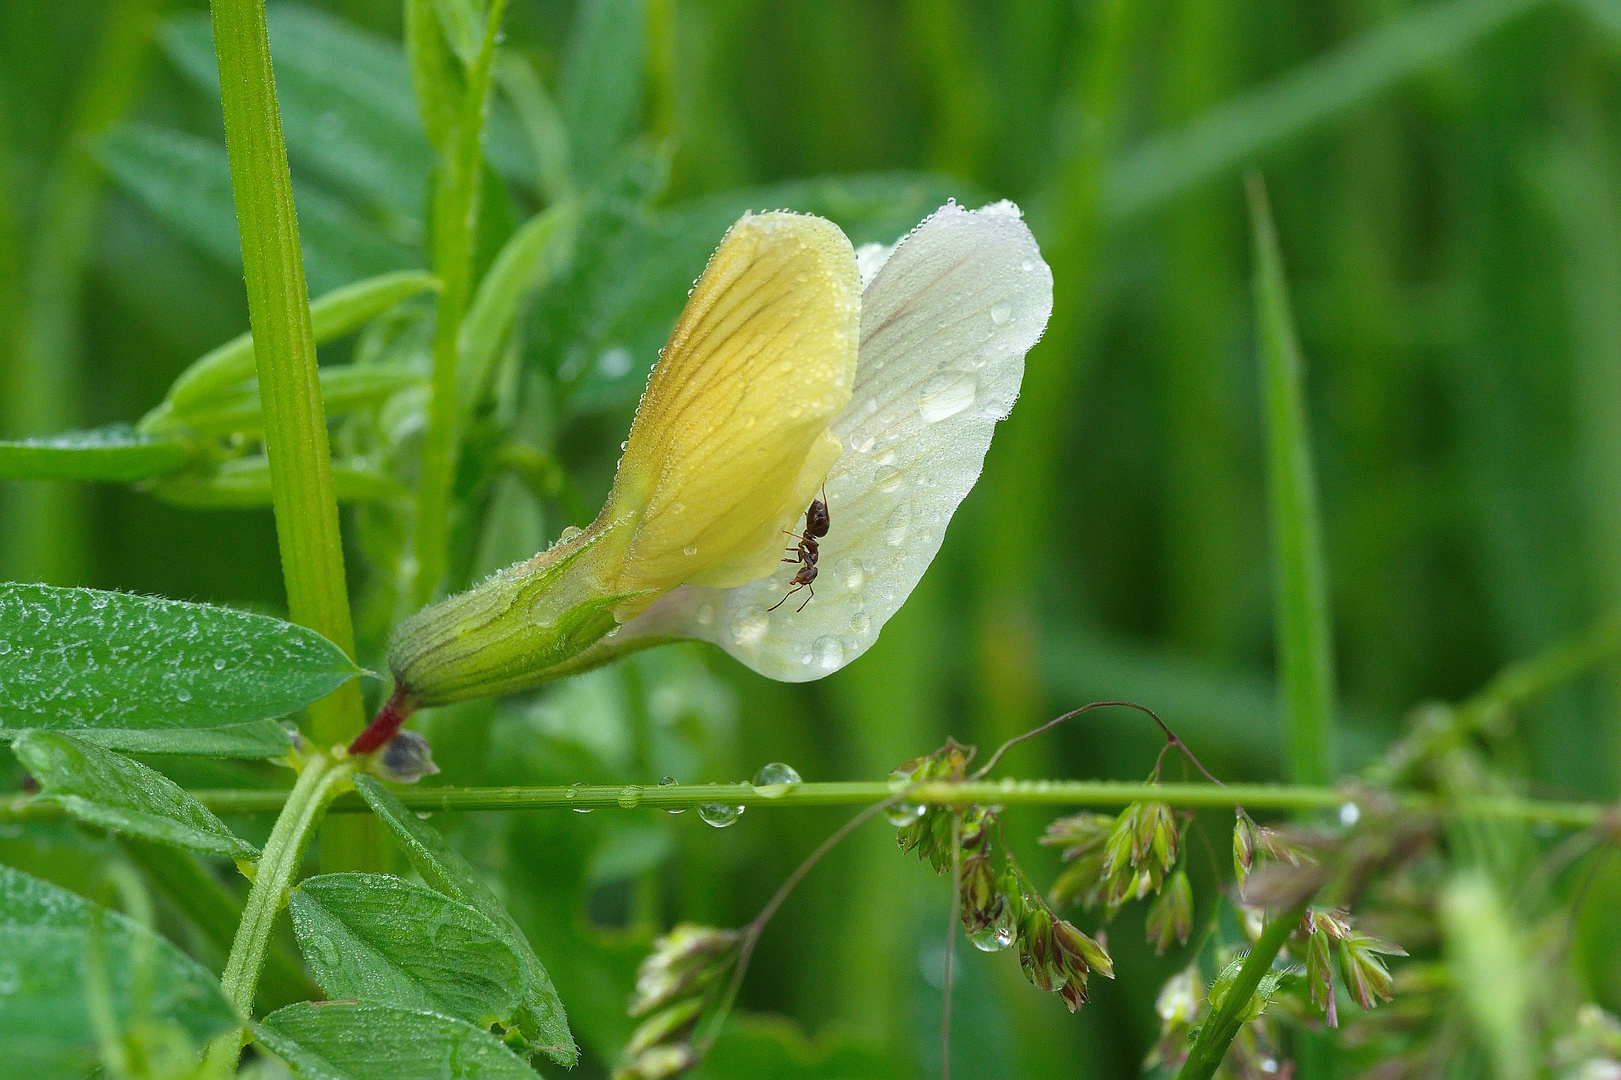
1304 642
320 780
1058 793
455 220
1222 1027
284 349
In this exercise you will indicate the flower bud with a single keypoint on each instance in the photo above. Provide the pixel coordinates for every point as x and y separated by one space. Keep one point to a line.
1078 833
683 961
1038 954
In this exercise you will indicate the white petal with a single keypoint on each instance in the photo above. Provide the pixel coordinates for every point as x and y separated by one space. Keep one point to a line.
945 326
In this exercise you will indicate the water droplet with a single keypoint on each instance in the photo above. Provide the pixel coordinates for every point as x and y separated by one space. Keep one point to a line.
670 781
747 420
629 796
946 395
997 936
573 792
903 814
889 481
719 815
219 663
5 647
1028 265
749 626
850 573
690 549
860 623
899 523
865 444
776 779
1350 814
886 458
182 694
1001 313
796 410
828 653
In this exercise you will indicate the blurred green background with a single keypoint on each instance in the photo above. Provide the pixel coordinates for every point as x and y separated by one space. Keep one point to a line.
1445 178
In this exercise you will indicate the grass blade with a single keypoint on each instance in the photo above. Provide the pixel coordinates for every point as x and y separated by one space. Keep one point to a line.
1304 642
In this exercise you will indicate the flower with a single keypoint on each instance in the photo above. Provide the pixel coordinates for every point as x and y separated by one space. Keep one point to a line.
947 316
729 443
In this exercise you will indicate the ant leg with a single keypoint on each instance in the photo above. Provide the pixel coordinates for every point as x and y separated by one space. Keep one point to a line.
785 597
808 599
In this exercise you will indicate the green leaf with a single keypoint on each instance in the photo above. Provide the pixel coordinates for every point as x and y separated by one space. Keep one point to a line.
462 22
541 123
601 92
109 790
48 937
342 1040
542 1020
116 453
244 483
607 323
1247 125
530 258
1300 595
379 938
186 182
333 315
257 739
104 664
239 409
346 107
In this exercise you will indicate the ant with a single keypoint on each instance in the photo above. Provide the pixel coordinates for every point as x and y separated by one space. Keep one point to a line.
817 522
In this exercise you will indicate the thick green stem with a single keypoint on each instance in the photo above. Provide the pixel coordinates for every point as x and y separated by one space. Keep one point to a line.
284 349
455 221
1057 793
1221 1028
301 487
321 779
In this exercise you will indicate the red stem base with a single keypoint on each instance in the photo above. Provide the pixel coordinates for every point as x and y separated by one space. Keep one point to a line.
395 711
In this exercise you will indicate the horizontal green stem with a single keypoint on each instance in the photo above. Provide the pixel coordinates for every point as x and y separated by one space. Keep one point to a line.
1058 793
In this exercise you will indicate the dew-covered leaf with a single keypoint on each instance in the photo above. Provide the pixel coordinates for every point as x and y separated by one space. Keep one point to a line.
48 937
541 1020
255 739
110 790
116 453
379 938
607 321
343 1040
238 408
98 664
186 182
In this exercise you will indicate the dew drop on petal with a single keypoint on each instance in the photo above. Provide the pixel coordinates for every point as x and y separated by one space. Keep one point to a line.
749 626
849 573
182 694
690 549
889 481
886 458
1001 313
898 525
860 623
827 652
946 395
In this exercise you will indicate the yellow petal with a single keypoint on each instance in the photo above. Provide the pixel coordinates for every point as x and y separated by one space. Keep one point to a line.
730 440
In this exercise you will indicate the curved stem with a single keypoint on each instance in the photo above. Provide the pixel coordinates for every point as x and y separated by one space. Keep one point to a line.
320 780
